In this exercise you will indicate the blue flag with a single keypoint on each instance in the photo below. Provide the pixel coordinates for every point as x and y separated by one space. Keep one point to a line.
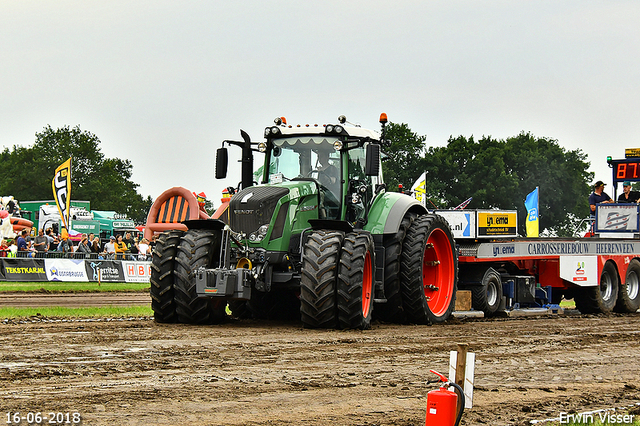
531 204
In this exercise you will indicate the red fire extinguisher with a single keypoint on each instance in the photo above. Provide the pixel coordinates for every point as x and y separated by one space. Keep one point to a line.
442 404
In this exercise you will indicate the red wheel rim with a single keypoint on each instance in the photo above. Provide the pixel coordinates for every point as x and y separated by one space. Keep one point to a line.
367 284
438 272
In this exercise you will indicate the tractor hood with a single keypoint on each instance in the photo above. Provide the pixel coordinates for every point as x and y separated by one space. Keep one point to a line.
255 206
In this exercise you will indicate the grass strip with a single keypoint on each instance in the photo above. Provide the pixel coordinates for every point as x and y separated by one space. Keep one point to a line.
83 312
71 287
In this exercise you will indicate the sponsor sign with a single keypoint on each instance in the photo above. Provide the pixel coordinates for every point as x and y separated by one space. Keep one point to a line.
503 223
104 270
65 270
579 270
136 272
617 218
462 223
24 269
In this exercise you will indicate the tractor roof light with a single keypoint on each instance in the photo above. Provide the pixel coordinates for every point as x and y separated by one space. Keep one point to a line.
272 131
280 121
383 118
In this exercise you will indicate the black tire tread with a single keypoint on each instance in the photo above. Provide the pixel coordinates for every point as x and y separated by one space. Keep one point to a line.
162 278
392 311
194 252
355 247
413 298
318 279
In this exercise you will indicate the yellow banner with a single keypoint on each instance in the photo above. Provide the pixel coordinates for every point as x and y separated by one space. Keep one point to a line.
61 185
497 223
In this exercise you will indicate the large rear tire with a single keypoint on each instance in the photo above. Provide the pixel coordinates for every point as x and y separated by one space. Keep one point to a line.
600 299
487 296
355 281
392 310
198 248
429 270
629 292
318 280
162 278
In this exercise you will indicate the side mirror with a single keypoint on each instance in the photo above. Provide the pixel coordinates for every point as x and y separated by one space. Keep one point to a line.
222 161
372 162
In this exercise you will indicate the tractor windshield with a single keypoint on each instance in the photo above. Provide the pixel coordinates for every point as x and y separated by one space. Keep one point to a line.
313 157
301 156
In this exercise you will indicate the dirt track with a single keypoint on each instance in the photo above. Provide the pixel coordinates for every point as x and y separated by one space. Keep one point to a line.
249 373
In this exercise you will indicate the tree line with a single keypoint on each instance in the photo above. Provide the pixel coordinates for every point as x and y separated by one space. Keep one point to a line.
105 182
498 174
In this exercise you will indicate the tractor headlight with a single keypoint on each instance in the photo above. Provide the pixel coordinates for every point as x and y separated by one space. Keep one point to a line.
262 147
257 236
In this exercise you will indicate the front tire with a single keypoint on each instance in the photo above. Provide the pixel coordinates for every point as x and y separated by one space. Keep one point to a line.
600 299
429 270
318 279
629 292
162 278
198 248
355 281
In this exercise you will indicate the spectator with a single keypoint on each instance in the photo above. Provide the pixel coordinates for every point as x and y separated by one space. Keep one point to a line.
84 246
95 245
65 246
41 243
13 249
628 196
152 243
130 243
110 247
120 247
22 241
144 249
4 248
598 196
49 233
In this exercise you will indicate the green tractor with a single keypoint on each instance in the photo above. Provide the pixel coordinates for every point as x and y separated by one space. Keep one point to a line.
319 238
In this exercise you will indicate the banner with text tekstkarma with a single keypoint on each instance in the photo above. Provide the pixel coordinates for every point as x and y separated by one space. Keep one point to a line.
531 204
61 185
419 189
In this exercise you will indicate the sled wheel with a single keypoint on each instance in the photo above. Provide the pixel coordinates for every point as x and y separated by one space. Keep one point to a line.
318 279
198 248
429 270
355 281
487 296
599 299
392 311
161 279
629 292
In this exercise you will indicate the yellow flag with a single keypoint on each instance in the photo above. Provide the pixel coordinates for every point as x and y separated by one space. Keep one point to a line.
61 185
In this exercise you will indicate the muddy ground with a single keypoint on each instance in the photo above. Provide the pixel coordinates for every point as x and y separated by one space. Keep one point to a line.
136 372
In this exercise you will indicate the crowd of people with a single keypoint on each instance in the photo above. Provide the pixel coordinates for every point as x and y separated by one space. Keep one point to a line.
118 247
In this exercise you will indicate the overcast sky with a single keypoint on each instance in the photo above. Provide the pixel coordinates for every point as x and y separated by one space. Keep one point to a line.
162 83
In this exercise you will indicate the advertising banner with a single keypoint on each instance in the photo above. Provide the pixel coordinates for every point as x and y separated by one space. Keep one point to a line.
104 270
462 223
617 218
65 270
497 222
61 185
24 269
136 272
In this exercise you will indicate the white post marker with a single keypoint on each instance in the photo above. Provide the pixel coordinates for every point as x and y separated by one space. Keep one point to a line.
468 375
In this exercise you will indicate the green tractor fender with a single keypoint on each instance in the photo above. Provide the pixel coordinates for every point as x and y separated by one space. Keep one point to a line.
388 210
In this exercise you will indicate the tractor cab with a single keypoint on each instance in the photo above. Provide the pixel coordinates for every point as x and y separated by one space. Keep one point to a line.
342 161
